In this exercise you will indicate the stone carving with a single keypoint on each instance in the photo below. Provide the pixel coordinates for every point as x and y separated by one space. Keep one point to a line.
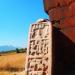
38 55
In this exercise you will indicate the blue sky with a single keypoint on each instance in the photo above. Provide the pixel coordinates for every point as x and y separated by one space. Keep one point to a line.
15 19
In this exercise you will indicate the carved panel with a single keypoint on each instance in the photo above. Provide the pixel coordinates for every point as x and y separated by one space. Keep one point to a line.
38 51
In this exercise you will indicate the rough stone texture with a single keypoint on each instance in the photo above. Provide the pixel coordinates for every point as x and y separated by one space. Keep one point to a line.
39 55
62 17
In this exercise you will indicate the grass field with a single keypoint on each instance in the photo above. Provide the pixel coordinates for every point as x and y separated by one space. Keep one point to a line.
12 64
12 73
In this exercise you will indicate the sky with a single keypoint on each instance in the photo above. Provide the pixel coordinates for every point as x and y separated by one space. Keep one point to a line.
15 19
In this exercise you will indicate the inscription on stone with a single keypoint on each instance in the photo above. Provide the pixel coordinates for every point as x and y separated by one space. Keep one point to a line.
38 61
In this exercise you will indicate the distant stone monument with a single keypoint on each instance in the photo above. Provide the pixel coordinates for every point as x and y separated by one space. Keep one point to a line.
39 55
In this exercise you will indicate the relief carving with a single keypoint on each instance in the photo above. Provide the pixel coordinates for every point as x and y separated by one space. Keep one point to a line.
38 50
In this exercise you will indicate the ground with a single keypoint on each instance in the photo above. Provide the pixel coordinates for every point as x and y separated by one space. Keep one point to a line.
12 64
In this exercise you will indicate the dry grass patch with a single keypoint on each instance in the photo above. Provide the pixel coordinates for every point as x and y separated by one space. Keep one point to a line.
12 73
12 62
5 73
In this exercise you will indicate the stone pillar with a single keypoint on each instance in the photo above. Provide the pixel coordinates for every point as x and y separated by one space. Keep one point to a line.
39 55
62 17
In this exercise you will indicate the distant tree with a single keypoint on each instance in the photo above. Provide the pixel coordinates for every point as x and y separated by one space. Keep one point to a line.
17 50
25 49
22 50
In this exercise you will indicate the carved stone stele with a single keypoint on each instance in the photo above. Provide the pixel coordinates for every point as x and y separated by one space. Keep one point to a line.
39 50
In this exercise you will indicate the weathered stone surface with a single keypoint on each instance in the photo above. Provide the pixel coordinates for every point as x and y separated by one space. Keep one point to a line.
62 17
39 55
60 9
